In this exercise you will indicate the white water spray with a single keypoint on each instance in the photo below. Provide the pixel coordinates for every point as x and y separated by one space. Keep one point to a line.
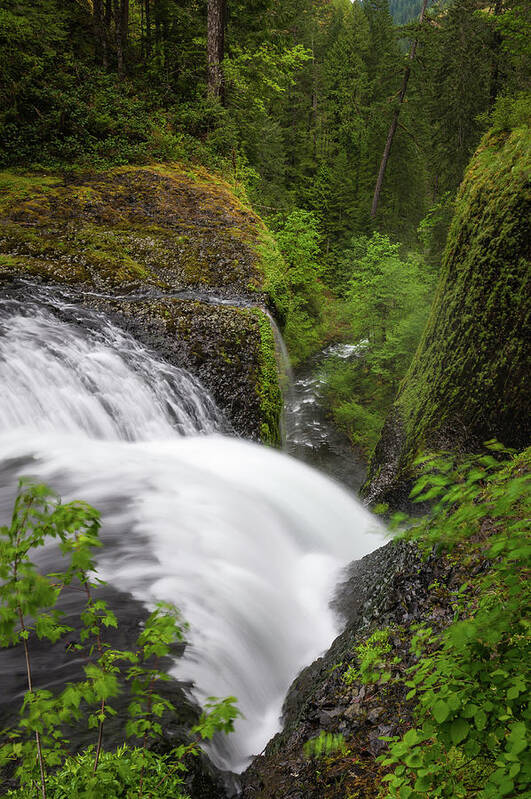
89 377
246 541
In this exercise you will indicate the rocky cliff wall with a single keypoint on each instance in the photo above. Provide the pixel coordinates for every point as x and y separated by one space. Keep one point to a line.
468 381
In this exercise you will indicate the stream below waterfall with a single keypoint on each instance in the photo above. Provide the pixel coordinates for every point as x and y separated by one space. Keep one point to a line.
248 542
310 434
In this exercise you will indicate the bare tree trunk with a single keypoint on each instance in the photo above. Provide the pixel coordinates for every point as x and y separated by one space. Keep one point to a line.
215 46
394 123
121 24
100 34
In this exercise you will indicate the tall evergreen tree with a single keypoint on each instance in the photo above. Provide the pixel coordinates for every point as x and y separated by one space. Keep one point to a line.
216 10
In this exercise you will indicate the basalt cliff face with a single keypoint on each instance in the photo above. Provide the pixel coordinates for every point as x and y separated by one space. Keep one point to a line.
170 254
468 381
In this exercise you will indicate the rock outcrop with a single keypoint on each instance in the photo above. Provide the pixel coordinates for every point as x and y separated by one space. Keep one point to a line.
173 256
392 588
468 380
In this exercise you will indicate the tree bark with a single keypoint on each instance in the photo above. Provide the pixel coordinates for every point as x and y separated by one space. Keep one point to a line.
394 123
121 23
100 34
215 46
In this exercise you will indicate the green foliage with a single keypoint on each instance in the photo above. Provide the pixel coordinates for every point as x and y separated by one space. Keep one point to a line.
276 283
433 229
513 32
510 113
371 655
324 744
268 388
459 377
38 745
454 53
471 682
386 305
119 775
404 11
309 94
298 238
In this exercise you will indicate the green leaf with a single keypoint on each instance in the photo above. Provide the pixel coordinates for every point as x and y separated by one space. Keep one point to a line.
411 737
440 711
459 730
480 719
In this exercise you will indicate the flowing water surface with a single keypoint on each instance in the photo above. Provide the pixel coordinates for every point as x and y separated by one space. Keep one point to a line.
246 541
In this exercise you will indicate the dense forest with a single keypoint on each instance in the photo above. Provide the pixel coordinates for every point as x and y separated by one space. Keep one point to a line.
214 178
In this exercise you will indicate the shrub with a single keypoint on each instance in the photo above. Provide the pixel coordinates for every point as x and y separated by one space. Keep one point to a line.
471 682
386 304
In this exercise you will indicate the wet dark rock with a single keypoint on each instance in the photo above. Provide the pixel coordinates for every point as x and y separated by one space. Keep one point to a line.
388 588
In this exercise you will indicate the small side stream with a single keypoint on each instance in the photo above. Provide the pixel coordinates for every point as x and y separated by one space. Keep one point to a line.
311 435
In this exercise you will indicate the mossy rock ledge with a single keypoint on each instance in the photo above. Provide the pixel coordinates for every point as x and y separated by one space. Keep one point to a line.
468 382
172 255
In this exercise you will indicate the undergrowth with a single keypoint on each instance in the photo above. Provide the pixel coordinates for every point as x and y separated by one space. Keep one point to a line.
470 682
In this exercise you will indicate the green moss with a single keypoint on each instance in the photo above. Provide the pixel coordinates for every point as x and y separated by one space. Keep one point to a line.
7 262
473 351
268 388
275 280
164 226
169 228
14 187
468 380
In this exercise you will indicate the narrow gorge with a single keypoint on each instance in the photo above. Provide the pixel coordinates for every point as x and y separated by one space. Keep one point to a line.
143 371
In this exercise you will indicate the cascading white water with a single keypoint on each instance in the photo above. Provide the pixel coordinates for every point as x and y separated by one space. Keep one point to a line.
246 541
89 377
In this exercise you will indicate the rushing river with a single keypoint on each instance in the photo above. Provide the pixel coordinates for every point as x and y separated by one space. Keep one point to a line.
248 542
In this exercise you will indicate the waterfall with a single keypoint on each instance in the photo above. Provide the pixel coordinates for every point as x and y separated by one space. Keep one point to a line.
246 541
89 377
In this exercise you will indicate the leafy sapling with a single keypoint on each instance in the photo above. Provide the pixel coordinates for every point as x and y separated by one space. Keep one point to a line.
28 603
471 682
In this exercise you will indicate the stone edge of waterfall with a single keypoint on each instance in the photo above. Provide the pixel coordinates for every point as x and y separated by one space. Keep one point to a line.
129 241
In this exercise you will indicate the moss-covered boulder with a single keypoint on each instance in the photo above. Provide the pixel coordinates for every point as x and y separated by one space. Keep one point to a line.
468 380
174 256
